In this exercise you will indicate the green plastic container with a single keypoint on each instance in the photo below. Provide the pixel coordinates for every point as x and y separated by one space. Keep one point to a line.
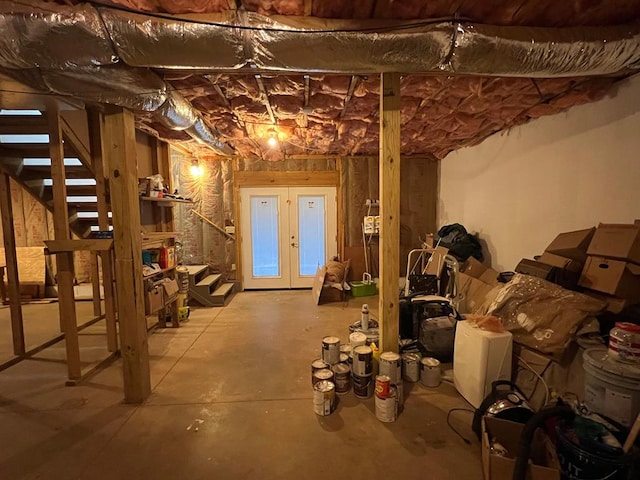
365 288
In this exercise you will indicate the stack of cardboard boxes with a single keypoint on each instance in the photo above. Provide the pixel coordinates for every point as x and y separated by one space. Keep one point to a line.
475 283
613 265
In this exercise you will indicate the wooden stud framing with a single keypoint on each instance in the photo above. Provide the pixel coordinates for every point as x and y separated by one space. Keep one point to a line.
341 209
95 285
389 209
64 260
96 143
17 328
265 98
120 156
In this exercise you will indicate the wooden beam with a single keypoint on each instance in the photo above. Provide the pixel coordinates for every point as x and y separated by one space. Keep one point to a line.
96 144
95 285
329 178
352 86
6 209
121 157
341 209
83 244
64 261
389 312
265 98
76 144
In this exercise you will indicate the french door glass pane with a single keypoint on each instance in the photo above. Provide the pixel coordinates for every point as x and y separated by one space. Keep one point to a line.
264 236
311 233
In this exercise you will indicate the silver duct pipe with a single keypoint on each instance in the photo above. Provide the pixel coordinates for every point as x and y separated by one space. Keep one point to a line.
98 54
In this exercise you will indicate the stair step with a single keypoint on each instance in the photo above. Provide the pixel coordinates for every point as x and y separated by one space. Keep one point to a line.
196 269
38 173
221 293
209 280
23 124
32 150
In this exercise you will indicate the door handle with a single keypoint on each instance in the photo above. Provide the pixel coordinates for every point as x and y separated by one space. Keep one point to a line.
294 244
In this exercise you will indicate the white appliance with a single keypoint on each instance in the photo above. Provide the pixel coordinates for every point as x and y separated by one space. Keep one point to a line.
479 358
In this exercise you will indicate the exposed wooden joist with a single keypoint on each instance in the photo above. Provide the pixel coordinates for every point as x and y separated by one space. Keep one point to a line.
96 144
121 158
389 209
265 98
13 283
76 144
64 260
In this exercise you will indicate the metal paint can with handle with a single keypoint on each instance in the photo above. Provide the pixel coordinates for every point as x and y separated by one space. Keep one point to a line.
362 360
322 375
342 378
411 367
363 385
356 339
324 396
430 374
317 364
387 407
331 350
391 366
383 386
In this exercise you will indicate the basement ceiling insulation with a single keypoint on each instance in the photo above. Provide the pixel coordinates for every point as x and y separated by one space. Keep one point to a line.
307 72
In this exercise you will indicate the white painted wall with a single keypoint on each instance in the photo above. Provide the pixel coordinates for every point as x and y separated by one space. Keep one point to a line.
555 174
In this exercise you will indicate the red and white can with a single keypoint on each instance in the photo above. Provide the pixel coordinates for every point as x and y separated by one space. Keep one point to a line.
383 386
624 342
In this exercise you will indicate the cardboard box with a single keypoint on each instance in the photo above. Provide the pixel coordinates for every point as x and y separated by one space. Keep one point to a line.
154 300
614 304
170 287
167 257
559 276
436 261
619 241
572 245
475 269
614 277
561 262
544 464
472 293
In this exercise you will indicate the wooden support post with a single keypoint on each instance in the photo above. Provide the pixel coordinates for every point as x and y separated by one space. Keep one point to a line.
120 156
389 312
64 260
17 327
96 143
95 285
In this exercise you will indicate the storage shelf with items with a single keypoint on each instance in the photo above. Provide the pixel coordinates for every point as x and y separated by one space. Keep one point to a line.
159 240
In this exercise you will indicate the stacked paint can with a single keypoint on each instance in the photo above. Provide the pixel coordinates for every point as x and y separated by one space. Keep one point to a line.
362 371
390 365
324 398
342 377
331 350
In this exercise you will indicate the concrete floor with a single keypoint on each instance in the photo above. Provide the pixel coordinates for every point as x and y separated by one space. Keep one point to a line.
231 399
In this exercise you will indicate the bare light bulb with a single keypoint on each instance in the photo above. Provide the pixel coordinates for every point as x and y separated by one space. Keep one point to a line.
272 141
196 170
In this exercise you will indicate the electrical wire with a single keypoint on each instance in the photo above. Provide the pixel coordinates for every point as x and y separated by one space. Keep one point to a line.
165 16
530 368
465 440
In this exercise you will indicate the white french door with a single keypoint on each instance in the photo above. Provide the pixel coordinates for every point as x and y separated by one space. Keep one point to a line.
287 232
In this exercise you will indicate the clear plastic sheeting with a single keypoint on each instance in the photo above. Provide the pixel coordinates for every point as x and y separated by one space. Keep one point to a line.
143 41
52 36
544 52
542 315
318 45
138 89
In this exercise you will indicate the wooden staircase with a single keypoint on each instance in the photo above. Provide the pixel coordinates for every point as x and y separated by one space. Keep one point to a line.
207 288
25 156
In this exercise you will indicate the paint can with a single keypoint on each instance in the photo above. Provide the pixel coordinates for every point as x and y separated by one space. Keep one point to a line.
411 367
344 358
356 339
430 372
387 407
342 376
346 349
322 375
362 360
317 364
383 385
391 366
372 337
363 385
324 398
182 278
331 350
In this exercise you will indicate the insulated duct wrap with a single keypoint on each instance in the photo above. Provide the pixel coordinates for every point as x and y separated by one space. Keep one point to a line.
176 112
134 88
314 45
52 36
200 132
543 52
142 41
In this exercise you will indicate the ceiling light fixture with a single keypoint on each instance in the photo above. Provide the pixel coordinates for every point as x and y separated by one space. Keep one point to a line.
272 141
196 169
